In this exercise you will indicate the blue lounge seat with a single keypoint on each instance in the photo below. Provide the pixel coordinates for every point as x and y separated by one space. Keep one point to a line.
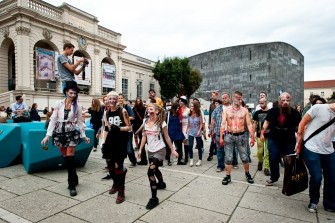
10 143
36 159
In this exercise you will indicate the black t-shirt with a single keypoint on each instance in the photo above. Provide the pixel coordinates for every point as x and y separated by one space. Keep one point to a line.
283 133
259 117
95 117
116 141
139 116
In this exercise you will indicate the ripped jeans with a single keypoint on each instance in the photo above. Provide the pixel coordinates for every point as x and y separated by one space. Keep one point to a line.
241 144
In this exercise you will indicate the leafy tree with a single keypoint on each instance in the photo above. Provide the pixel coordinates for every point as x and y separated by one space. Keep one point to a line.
176 77
331 96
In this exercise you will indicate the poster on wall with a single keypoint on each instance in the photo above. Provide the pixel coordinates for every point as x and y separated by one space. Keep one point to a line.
56 66
108 75
45 64
88 72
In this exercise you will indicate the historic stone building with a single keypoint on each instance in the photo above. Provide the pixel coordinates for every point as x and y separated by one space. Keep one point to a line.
32 34
272 67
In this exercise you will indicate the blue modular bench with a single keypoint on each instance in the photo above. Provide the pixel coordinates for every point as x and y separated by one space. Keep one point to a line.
10 143
36 159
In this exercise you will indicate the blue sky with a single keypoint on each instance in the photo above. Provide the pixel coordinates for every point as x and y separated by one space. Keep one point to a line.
156 29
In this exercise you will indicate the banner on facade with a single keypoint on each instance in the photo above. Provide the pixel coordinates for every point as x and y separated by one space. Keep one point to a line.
45 64
56 66
88 73
108 75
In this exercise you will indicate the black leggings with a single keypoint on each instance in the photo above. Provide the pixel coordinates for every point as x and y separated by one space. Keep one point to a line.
153 172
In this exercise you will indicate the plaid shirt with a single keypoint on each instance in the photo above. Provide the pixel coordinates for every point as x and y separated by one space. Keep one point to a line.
217 116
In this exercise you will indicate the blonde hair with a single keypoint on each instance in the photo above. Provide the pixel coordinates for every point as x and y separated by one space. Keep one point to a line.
161 114
113 94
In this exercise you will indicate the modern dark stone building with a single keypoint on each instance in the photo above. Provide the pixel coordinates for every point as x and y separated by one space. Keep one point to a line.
272 67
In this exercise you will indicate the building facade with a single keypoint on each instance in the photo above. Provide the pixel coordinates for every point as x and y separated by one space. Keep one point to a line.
271 67
32 35
322 88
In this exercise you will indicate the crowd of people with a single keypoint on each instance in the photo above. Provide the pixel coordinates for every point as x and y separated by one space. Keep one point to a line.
164 130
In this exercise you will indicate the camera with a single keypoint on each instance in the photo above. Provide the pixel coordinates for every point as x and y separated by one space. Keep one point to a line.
85 62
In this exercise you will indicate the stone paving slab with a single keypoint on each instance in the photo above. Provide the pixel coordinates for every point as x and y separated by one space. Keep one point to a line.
61 217
176 212
326 218
104 209
85 189
20 186
13 171
37 205
5 195
278 205
242 215
212 197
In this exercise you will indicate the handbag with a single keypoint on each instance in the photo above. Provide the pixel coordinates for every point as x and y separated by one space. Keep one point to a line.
295 175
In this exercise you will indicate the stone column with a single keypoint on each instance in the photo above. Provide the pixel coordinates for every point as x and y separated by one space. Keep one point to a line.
23 59
118 80
97 73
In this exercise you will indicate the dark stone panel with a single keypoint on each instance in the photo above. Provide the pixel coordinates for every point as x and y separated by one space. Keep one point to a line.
269 64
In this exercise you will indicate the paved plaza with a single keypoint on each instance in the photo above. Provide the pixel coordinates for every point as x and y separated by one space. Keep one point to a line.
193 194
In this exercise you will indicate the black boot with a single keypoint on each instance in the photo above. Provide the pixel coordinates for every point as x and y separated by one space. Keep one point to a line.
72 175
121 179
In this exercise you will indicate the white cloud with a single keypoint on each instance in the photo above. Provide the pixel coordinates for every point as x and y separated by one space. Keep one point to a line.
154 29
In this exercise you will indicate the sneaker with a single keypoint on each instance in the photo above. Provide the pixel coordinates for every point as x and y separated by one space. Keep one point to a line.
210 158
191 162
260 166
73 192
153 202
161 186
132 165
269 182
235 166
169 163
108 177
266 172
249 178
219 169
198 163
94 149
312 208
226 180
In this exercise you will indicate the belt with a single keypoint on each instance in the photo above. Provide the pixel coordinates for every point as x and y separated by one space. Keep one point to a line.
236 134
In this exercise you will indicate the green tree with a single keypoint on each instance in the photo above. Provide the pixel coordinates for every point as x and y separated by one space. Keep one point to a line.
331 96
176 77
194 80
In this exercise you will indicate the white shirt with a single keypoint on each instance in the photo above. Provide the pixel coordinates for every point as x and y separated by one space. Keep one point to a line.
154 137
322 142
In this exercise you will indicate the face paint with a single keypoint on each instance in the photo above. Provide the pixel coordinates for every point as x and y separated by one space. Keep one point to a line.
151 111
112 100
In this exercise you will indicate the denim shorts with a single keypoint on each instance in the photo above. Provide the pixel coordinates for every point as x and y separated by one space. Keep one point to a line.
241 144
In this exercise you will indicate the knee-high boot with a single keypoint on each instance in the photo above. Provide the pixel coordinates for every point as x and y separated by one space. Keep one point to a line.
111 170
121 179
186 148
72 174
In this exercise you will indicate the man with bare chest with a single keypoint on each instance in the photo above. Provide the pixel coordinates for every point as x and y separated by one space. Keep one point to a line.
232 133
